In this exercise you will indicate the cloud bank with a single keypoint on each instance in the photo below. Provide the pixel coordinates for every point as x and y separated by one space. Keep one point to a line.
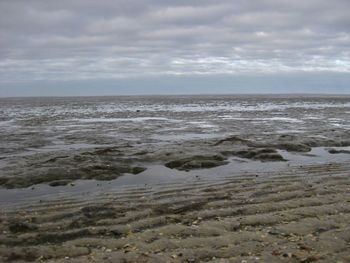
117 39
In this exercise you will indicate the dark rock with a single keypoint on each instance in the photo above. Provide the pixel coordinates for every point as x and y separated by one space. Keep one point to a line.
197 162
249 154
104 176
266 150
57 176
334 151
269 157
137 170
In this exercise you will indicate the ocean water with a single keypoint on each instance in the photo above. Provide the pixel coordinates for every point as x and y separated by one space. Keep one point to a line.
29 125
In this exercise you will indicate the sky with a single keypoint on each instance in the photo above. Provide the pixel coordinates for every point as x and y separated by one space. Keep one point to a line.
111 47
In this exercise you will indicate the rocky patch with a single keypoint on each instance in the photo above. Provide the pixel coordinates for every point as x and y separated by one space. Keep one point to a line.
335 151
197 162
61 176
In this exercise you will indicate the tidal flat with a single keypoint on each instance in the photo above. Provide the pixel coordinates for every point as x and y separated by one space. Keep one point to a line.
175 179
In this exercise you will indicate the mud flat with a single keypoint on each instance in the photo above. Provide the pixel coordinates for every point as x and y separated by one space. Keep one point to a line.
297 214
175 179
108 162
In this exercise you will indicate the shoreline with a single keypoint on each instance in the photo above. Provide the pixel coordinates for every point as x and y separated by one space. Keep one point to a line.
238 95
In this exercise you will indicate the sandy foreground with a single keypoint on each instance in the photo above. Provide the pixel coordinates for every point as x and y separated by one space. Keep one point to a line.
299 214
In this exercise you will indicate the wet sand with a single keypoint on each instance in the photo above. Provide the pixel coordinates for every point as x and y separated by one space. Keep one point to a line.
297 214
178 179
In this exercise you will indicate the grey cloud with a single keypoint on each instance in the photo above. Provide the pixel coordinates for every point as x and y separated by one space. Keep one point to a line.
87 39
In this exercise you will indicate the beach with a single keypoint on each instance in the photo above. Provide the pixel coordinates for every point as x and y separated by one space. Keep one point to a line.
296 215
182 179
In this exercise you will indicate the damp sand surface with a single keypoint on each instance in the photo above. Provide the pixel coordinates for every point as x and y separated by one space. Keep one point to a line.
175 179
299 214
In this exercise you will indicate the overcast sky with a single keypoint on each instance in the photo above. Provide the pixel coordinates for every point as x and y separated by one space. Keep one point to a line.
87 47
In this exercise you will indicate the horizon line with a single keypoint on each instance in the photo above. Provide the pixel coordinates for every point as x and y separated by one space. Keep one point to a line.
309 94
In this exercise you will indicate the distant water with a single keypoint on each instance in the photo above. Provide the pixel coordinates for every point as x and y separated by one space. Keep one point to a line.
33 130
47 124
